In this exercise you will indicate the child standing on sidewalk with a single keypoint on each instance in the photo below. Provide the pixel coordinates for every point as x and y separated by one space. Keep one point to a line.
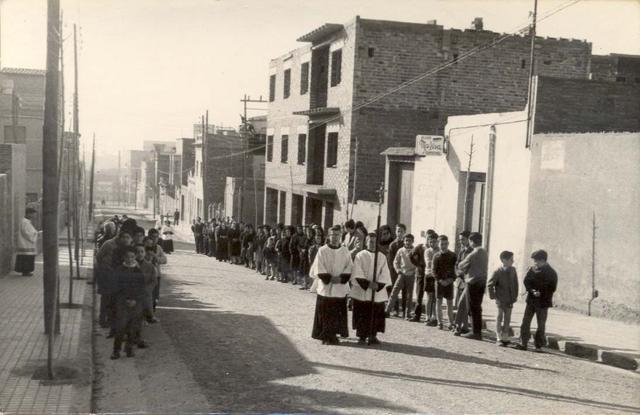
503 287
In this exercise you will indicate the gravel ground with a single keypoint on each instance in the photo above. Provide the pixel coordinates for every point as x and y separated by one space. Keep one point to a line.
229 341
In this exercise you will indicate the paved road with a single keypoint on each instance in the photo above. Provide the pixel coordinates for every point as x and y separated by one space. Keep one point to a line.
230 341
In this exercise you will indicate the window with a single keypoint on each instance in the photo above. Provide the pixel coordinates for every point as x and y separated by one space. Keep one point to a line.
304 78
269 148
284 149
272 88
302 148
20 134
455 58
621 79
336 67
287 83
523 63
371 52
332 149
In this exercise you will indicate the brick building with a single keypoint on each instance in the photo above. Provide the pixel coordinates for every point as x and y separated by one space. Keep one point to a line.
22 118
331 97
616 67
185 148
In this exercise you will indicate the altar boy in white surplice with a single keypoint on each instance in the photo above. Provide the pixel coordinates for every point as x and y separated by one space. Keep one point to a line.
332 271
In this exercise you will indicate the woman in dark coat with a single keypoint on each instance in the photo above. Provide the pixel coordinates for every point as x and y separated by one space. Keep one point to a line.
235 243
222 242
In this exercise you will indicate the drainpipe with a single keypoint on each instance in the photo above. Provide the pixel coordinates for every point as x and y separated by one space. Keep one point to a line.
488 201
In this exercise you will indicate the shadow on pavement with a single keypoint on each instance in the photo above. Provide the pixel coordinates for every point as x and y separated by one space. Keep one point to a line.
238 359
485 386
433 353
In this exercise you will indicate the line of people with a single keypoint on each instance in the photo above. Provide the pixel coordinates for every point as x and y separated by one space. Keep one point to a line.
128 271
337 267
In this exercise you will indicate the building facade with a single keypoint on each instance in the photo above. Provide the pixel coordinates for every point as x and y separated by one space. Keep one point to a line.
22 118
577 172
357 89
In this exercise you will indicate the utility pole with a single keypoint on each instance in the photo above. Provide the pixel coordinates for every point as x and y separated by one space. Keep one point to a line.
93 167
50 178
465 221
245 144
532 64
119 179
355 173
76 140
135 193
205 148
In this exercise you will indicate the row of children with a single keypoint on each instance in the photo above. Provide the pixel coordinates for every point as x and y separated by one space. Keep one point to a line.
128 273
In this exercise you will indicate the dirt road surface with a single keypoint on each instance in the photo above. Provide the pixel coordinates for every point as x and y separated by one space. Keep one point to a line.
229 341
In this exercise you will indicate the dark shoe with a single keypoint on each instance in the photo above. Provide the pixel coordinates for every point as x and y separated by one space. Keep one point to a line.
115 355
473 336
27 274
457 333
129 351
431 323
520 347
142 345
362 340
538 350
374 340
302 288
441 326
386 314
415 319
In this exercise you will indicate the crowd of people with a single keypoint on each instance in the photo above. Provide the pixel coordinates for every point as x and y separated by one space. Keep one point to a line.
128 271
339 268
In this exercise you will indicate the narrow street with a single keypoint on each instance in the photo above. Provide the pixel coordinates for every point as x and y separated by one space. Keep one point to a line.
230 341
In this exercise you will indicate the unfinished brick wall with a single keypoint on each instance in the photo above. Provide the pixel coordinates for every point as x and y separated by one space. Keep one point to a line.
222 161
579 106
614 67
494 80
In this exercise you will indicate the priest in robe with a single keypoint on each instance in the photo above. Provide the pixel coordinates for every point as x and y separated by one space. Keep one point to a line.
363 289
331 271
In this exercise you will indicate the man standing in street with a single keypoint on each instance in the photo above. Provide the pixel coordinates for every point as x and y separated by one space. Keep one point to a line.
461 299
176 217
474 267
540 282
27 237
198 235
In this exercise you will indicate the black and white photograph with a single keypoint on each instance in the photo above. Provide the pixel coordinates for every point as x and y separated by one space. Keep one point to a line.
319 207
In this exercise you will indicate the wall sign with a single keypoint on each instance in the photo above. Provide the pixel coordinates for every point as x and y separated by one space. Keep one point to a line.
552 155
429 145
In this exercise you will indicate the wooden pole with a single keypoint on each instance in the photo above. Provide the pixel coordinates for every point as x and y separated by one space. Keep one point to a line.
465 210
76 141
50 132
532 64
93 168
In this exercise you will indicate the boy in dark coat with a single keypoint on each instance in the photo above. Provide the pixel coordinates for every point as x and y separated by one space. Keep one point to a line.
503 288
540 282
129 297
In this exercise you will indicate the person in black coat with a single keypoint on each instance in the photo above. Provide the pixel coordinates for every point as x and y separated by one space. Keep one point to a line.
540 283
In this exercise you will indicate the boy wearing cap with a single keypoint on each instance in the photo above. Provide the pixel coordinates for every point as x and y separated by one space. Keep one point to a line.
540 282
503 287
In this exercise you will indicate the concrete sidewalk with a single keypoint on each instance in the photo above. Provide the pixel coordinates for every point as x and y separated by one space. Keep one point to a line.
605 341
24 387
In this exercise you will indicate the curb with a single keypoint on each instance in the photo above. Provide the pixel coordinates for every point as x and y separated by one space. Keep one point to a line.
587 351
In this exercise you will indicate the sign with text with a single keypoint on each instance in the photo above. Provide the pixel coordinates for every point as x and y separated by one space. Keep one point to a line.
429 145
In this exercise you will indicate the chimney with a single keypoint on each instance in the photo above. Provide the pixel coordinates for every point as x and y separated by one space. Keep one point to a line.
477 24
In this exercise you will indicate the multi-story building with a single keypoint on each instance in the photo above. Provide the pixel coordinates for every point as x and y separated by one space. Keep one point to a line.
185 149
22 118
356 89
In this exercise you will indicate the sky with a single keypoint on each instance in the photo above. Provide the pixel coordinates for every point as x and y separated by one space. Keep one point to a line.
148 69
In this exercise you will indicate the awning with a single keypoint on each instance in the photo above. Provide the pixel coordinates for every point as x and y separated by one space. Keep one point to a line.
319 111
321 32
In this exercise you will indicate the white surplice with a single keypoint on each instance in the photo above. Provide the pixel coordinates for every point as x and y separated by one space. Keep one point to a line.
363 268
332 261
